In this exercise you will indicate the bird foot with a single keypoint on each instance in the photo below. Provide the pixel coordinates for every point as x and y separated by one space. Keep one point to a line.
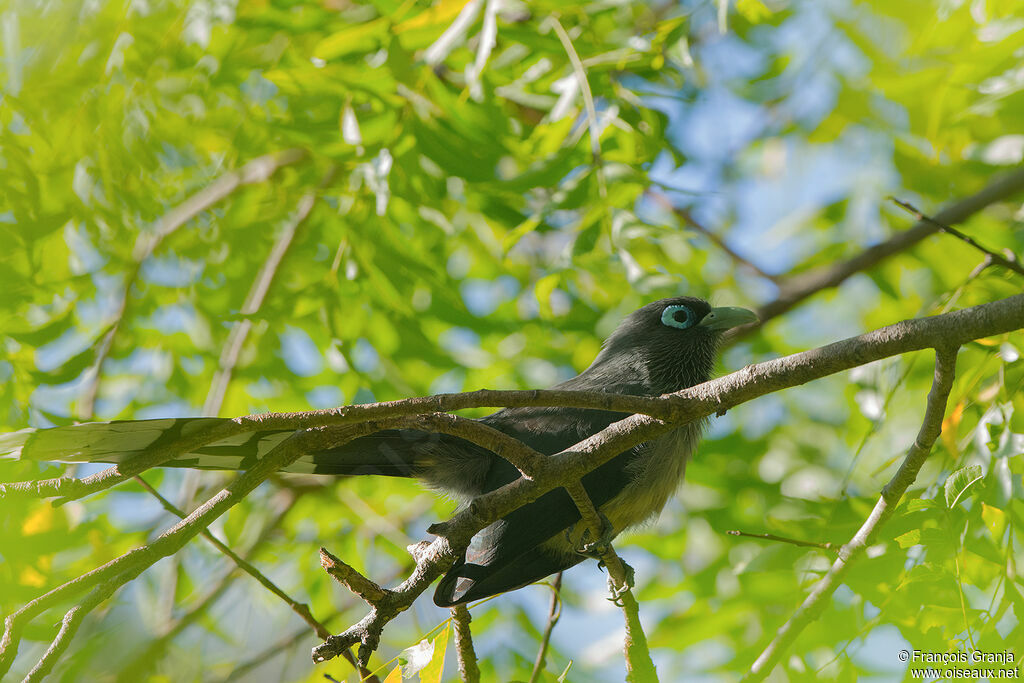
618 591
597 548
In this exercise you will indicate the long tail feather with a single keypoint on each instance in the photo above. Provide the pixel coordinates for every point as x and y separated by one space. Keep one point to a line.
389 453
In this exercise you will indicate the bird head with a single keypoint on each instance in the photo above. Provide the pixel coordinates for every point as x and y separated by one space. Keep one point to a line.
665 346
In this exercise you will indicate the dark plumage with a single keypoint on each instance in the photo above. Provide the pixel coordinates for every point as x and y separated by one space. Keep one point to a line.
663 347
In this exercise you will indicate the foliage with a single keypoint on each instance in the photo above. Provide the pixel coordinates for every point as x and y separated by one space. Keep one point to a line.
473 226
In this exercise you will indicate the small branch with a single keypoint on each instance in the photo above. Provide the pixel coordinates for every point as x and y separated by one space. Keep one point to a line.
945 367
469 671
299 608
639 666
588 512
71 489
713 237
554 614
365 589
529 462
70 624
797 288
86 408
432 560
782 539
258 170
239 672
149 655
991 257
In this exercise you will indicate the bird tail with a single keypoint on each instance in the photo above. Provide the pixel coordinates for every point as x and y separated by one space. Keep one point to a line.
390 453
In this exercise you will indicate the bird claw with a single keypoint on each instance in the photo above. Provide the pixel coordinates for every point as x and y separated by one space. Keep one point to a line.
616 591
597 548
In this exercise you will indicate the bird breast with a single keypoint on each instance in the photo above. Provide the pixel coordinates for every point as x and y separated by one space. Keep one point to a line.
656 471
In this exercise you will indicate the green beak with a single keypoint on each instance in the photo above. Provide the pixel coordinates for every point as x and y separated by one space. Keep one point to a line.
727 317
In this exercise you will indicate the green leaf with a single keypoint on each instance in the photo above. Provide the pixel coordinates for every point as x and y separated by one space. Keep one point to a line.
71 368
753 11
959 481
355 39
912 537
918 504
47 333
995 520
434 669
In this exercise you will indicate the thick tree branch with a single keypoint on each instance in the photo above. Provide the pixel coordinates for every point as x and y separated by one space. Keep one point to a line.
70 489
910 335
690 404
945 367
339 425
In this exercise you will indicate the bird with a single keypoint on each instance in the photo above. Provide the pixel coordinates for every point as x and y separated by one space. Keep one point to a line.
663 347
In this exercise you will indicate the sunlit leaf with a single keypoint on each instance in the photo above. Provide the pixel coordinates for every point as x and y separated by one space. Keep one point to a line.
958 482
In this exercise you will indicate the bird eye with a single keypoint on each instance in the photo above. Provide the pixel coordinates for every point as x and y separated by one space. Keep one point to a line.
680 317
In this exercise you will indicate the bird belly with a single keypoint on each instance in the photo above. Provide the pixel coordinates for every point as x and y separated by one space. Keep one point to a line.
656 472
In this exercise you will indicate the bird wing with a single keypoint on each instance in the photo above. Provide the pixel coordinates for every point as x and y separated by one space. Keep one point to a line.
527 544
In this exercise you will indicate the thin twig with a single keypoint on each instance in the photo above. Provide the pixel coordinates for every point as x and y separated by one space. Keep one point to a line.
71 622
270 652
469 670
991 257
687 217
931 426
155 648
360 586
783 539
554 614
299 608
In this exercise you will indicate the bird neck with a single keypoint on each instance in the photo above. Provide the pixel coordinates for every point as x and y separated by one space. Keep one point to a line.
644 372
